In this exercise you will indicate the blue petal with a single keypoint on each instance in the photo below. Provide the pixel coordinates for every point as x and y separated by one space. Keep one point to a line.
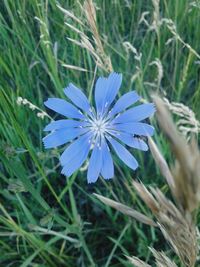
113 85
60 124
95 164
106 90
77 97
100 92
130 140
64 108
73 150
107 169
62 136
124 102
138 113
77 161
123 154
137 128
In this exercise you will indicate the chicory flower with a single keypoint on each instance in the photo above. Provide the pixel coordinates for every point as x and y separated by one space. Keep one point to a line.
94 132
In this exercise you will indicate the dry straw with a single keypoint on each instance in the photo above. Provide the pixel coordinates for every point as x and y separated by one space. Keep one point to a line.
187 122
84 26
176 219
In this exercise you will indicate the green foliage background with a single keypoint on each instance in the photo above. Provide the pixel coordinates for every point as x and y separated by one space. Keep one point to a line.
46 220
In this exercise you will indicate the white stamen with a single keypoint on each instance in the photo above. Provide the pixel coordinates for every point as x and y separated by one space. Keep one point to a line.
98 126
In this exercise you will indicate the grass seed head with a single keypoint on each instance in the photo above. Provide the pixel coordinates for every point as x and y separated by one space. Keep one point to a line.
186 172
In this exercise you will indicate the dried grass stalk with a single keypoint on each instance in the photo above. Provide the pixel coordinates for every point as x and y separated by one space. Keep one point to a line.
161 162
137 262
183 240
156 17
126 210
177 222
90 13
162 260
187 122
147 197
93 45
73 67
159 66
186 170
177 229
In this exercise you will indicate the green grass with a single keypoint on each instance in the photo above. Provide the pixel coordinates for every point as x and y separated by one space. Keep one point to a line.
51 221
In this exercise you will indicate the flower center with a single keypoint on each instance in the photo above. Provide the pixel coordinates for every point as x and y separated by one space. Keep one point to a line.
98 126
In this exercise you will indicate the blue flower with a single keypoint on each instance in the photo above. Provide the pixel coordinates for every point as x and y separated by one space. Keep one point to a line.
96 131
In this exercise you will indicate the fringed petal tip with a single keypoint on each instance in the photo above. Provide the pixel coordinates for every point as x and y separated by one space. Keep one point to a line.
45 144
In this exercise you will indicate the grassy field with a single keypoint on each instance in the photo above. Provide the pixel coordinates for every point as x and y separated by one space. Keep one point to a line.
46 219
